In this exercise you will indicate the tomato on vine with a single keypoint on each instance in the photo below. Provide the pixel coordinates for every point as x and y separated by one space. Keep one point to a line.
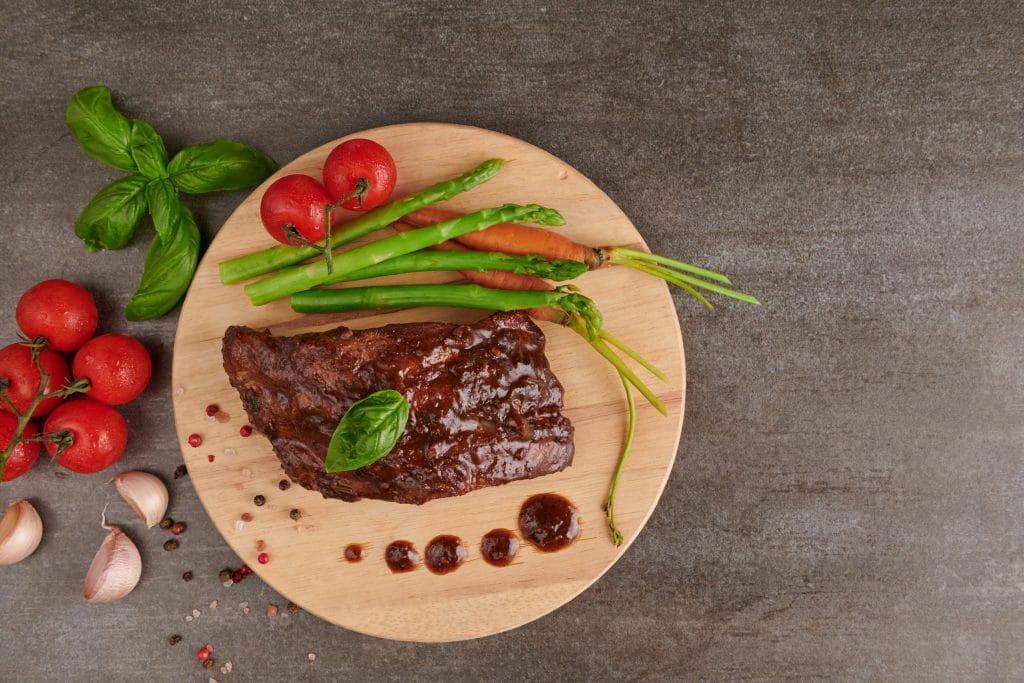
21 376
98 435
24 454
360 174
61 311
117 366
294 210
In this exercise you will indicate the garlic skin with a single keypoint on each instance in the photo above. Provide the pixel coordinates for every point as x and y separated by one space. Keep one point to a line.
115 570
21 530
145 493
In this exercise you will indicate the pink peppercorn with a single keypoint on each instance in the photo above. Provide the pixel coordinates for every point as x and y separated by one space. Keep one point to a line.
195 441
245 569
212 409
246 430
203 654
263 558
211 457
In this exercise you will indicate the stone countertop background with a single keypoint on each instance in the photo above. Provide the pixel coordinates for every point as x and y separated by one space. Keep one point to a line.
847 500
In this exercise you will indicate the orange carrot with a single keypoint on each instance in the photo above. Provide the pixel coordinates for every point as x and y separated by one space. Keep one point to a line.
523 239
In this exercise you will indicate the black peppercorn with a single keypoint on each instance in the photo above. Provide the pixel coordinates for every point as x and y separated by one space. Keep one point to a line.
295 514
224 576
171 545
175 639
180 472
166 523
259 501
284 484
187 576
293 608
208 664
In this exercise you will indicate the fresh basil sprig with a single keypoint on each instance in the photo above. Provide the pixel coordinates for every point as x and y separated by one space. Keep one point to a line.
111 218
368 431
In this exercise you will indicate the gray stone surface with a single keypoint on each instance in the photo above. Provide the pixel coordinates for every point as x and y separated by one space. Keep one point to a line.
848 494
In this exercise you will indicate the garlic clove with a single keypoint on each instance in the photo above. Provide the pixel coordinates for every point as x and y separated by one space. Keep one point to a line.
145 493
115 570
21 530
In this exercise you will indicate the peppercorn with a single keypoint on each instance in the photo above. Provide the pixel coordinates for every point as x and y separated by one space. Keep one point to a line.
171 545
208 664
246 517
180 471
295 514
203 654
236 576
246 430
195 441
178 528
175 639
259 501
211 457
245 569
166 523
187 576
263 558
212 409
272 610
293 608
284 484
224 576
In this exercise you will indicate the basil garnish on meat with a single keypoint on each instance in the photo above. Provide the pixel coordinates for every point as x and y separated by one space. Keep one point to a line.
368 431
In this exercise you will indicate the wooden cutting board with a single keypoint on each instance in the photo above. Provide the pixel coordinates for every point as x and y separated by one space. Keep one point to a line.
307 564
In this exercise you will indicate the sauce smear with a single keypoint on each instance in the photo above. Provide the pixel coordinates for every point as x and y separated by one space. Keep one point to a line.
499 547
549 521
401 556
445 554
354 552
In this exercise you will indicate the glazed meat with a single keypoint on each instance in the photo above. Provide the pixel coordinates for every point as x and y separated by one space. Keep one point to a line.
485 408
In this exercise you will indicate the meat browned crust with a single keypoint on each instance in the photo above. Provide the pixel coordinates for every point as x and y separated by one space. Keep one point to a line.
485 408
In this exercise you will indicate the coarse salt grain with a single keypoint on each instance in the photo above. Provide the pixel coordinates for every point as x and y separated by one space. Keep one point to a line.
230 451
189 618
312 657
211 418
228 584
227 665
196 613
239 525
246 610
223 669
178 390
213 605
243 605
246 472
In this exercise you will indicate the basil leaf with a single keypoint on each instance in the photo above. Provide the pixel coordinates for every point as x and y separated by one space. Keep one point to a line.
148 150
171 262
219 165
368 431
164 206
101 130
110 218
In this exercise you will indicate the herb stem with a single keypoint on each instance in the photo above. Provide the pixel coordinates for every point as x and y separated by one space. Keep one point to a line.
609 506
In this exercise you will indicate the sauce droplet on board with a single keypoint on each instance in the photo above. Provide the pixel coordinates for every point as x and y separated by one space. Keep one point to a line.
444 554
401 556
499 547
354 552
549 521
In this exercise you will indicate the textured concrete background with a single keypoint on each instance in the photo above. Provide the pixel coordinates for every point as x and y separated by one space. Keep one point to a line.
847 500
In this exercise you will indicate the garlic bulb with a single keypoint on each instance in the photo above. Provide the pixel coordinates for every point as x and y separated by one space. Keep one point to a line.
145 493
115 570
21 529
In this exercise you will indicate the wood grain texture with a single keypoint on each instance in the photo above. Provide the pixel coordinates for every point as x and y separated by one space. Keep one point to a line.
307 565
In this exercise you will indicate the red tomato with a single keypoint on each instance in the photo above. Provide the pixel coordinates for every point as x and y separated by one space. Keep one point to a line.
299 201
17 367
24 454
358 159
61 311
99 431
117 367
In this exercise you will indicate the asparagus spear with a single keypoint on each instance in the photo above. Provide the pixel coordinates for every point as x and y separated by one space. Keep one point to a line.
416 262
314 274
275 258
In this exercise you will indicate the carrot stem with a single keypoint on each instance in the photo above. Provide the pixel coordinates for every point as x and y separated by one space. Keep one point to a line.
680 279
621 346
609 506
648 269
634 255
624 371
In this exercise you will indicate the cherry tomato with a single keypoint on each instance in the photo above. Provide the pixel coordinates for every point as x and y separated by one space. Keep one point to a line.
99 431
358 159
299 201
24 454
17 367
117 367
61 311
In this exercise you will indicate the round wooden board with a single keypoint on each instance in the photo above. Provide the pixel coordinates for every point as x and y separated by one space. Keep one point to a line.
307 564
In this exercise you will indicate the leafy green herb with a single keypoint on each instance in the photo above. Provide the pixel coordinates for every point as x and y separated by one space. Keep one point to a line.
219 165
368 431
101 130
148 150
111 218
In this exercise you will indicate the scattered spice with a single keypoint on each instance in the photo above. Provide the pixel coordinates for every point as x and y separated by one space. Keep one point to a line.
175 639
189 618
208 664
246 472
245 431
186 577
213 605
203 654
196 613
284 484
229 452
227 667
259 500
225 575
222 417
211 457
245 569
263 558
246 610
246 517
178 528
171 545
272 610
166 523
179 390
295 514
195 441
261 545
236 576
311 657
180 471
212 409
293 608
